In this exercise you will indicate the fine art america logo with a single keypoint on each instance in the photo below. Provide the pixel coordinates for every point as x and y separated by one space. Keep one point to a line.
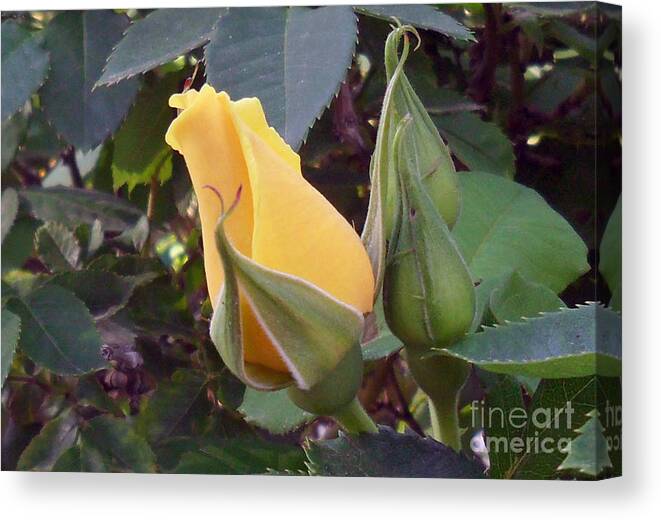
542 430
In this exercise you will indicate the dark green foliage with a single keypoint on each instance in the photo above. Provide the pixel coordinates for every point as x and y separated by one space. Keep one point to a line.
66 346
73 206
118 443
422 16
242 457
24 66
55 437
11 330
79 43
566 343
388 454
107 363
293 59
161 36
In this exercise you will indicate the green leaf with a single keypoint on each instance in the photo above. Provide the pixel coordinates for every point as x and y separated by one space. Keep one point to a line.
13 131
532 27
169 452
162 36
57 436
588 453
58 332
584 45
229 389
382 342
422 16
610 255
504 401
81 458
388 454
517 298
9 210
18 244
159 308
242 457
135 236
610 86
554 87
480 145
273 411
57 247
140 151
40 137
573 342
505 226
79 43
69 461
171 403
115 438
90 238
90 392
137 269
21 283
103 293
292 59
553 9
24 66
382 346
96 237
559 408
482 295
11 331
67 205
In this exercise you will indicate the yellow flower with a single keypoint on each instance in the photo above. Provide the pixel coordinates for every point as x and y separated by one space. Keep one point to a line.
281 221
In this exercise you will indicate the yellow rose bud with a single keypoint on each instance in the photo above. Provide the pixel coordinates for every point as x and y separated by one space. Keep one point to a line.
280 223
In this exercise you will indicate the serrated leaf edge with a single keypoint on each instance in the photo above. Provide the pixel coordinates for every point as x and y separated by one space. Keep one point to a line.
16 342
204 39
524 323
365 11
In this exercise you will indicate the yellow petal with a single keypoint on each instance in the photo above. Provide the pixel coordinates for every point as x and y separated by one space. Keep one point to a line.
184 100
205 135
251 113
297 231
257 346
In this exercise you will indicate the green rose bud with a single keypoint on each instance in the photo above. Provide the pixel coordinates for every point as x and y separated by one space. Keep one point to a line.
435 167
428 293
429 298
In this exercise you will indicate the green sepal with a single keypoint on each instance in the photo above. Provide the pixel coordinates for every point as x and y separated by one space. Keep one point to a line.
429 297
435 166
311 330
382 168
336 390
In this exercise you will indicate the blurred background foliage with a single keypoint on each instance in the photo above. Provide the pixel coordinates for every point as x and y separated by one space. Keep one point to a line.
106 360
